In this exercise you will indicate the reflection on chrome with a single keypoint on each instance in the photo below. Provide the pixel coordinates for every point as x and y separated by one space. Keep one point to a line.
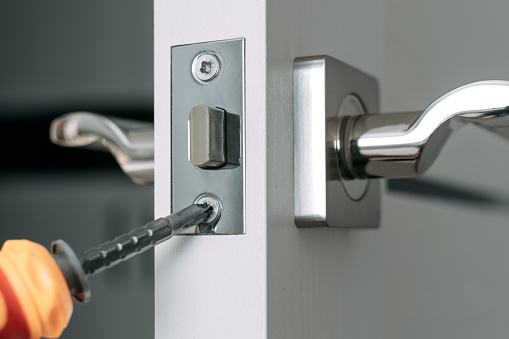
403 145
131 142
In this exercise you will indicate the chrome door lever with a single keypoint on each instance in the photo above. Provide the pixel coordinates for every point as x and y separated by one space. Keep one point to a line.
131 142
403 145
342 145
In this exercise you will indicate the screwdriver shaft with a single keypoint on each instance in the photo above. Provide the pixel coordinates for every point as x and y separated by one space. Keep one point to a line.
141 239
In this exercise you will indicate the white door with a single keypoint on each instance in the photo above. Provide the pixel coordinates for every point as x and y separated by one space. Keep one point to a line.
435 268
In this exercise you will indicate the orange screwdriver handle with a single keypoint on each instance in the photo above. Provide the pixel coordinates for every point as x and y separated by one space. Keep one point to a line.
35 301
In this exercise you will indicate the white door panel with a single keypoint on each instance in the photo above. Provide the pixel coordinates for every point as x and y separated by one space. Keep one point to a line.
213 286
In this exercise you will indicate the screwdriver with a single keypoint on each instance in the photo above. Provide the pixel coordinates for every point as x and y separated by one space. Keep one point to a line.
36 287
76 270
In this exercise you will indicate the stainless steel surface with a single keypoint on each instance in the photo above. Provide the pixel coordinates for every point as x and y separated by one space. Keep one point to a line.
403 145
325 90
130 142
208 225
225 92
206 66
350 106
207 132
77 270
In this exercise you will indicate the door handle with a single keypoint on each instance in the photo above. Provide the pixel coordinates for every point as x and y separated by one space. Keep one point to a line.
342 145
404 145
131 142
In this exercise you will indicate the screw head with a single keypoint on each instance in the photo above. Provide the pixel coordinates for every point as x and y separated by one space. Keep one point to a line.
206 67
207 226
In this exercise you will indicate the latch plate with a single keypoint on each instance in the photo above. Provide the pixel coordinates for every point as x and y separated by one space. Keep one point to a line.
225 90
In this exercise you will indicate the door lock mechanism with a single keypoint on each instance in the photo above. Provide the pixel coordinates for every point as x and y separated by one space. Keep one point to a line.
207 137
207 129
214 138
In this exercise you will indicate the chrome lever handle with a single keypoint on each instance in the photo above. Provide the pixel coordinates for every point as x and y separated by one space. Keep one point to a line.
404 145
131 142
340 143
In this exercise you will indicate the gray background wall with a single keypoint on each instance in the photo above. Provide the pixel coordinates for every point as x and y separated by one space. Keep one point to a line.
61 54
447 271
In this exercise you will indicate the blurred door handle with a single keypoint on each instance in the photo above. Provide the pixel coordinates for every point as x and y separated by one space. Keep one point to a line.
131 142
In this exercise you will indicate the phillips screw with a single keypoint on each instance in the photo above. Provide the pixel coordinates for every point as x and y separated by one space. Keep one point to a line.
206 67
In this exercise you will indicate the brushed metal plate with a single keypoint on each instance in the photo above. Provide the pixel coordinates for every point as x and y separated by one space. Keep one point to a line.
324 90
225 91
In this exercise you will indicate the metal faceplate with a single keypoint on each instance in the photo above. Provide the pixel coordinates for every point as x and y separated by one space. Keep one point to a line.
223 89
325 90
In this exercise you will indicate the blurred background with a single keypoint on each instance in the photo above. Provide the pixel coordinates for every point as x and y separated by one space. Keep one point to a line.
445 266
62 56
